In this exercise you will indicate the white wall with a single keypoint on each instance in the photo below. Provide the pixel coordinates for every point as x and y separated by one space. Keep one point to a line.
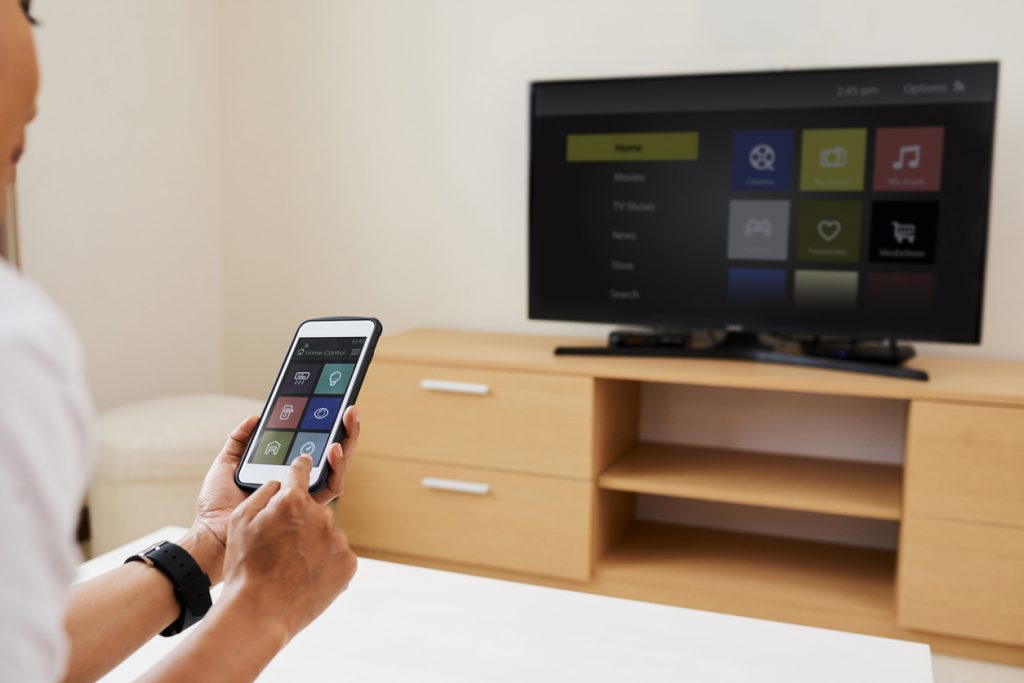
371 157
120 190
375 152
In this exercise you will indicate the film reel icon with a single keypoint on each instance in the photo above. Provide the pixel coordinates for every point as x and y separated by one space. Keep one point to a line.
762 157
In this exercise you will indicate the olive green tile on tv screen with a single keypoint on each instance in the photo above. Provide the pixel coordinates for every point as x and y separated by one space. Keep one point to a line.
832 160
828 231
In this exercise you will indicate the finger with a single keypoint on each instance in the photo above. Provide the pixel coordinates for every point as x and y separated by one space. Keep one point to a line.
252 505
352 427
237 441
298 476
336 481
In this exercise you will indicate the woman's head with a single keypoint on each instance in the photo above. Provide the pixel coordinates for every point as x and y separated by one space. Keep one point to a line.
19 82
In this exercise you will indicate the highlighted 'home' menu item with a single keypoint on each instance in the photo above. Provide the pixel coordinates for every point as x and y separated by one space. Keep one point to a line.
632 147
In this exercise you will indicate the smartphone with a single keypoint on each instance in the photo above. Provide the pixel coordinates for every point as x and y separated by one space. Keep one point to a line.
320 377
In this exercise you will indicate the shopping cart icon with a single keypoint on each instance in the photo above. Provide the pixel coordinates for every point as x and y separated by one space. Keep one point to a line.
300 377
904 232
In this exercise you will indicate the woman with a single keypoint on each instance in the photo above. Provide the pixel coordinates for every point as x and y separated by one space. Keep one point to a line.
278 553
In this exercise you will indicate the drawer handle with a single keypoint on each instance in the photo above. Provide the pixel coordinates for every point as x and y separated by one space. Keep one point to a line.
456 486
455 387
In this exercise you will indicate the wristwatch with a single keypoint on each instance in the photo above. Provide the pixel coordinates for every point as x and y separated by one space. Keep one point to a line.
191 584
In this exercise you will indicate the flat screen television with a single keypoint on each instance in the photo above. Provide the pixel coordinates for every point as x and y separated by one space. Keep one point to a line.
845 202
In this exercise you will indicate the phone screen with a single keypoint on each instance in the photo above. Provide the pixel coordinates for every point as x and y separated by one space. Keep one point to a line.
307 401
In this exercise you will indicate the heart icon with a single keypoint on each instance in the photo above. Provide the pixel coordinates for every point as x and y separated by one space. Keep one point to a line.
829 229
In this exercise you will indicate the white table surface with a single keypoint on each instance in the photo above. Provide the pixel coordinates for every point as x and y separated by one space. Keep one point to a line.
402 623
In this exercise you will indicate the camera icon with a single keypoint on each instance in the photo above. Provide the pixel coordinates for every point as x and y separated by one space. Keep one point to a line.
832 157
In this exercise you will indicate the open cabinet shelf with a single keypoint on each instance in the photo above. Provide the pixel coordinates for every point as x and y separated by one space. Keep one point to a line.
776 578
803 484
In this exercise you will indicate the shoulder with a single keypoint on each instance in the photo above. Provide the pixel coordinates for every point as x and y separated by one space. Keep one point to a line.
43 370
30 323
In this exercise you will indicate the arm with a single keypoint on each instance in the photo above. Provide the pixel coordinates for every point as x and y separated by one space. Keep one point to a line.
111 616
285 563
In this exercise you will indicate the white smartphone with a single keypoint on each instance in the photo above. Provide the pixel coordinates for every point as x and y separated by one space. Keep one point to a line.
320 377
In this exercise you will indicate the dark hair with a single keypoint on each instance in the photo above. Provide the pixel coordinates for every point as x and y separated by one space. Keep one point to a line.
26 5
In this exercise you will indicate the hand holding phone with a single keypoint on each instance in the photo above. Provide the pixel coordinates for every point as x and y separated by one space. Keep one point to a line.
319 379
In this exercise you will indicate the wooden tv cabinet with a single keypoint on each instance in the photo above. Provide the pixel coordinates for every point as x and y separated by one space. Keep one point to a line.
485 453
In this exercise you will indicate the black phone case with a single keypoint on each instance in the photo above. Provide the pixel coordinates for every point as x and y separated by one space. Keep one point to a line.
357 385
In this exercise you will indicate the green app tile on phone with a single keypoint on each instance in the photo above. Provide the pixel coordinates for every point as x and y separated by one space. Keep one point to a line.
334 378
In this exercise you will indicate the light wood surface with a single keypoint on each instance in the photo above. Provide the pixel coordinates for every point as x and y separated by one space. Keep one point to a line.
576 472
526 422
952 379
788 575
613 515
966 463
525 523
962 579
616 412
785 482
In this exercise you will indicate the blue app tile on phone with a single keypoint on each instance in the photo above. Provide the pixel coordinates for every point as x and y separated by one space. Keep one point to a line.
307 443
321 411
762 160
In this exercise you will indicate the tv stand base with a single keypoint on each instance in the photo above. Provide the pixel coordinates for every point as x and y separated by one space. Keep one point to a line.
881 360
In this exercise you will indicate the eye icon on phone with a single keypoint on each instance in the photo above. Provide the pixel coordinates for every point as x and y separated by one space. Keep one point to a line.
321 413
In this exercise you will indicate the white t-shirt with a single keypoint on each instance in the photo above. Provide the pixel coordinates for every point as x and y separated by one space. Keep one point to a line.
46 455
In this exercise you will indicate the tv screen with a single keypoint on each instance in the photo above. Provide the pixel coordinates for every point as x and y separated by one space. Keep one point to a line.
847 202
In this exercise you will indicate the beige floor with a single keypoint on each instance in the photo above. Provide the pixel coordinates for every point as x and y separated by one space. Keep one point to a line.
956 670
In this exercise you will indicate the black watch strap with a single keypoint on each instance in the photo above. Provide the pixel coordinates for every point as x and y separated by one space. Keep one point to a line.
191 584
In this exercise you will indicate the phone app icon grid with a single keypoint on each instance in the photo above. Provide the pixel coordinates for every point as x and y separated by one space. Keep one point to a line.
321 413
758 229
762 160
308 443
334 378
286 412
832 159
272 448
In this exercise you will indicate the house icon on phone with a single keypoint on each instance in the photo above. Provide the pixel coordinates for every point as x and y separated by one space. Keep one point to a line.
272 448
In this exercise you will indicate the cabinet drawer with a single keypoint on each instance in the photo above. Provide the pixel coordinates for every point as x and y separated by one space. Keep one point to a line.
518 522
514 421
965 463
962 579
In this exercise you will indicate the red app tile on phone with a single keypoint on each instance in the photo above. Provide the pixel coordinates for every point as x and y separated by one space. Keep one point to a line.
286 412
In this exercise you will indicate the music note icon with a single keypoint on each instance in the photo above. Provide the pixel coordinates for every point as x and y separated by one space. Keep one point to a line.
909 156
